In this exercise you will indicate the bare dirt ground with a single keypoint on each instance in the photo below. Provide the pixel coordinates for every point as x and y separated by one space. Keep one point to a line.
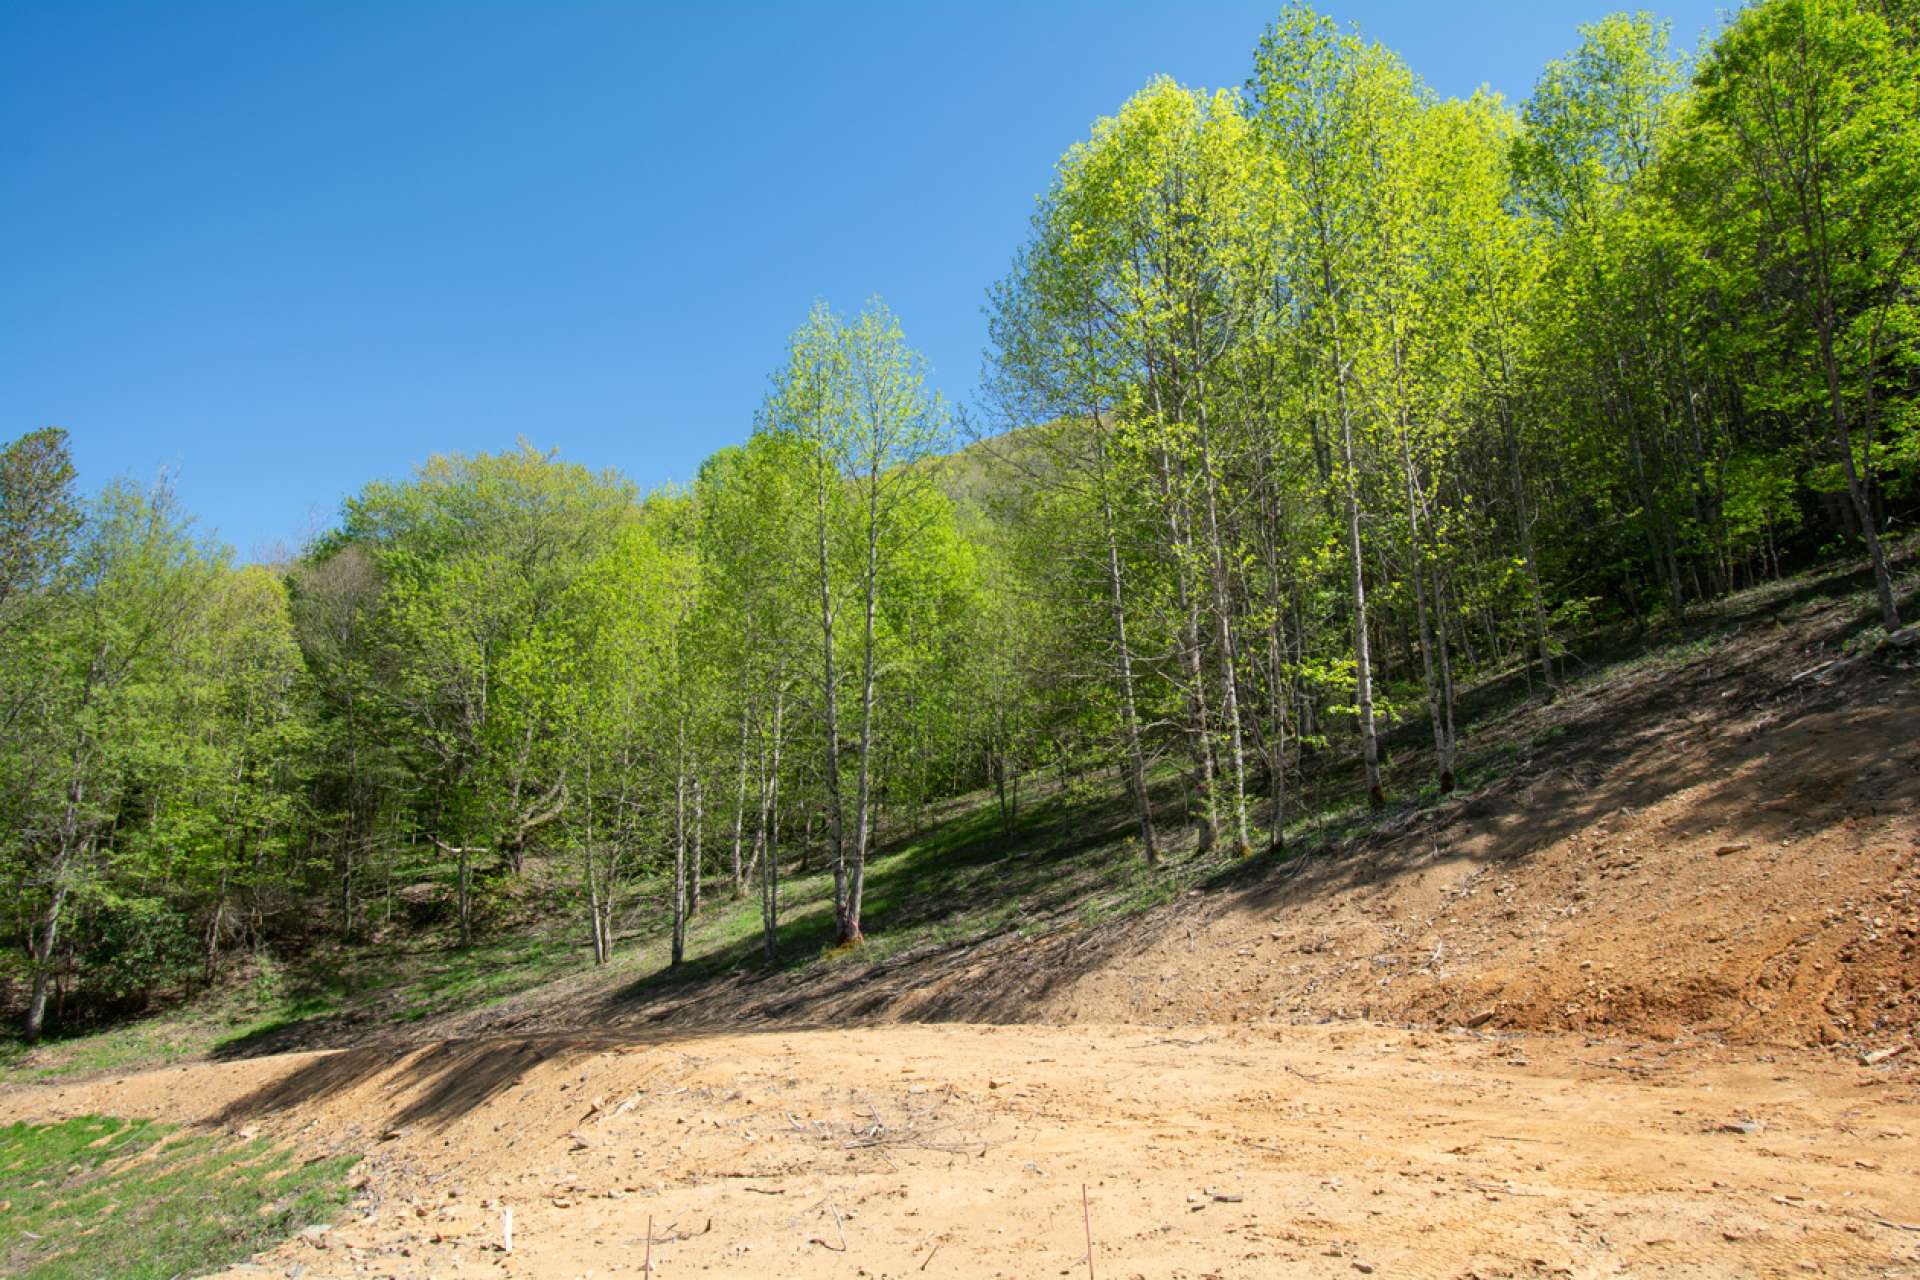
959 1150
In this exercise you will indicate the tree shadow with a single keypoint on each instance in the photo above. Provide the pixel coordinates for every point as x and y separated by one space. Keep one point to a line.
439 1082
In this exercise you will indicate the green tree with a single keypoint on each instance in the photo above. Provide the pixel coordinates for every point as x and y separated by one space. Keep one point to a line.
1803 150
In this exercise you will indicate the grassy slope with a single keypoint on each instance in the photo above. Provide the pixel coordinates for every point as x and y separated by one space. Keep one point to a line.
1068 861
96 1196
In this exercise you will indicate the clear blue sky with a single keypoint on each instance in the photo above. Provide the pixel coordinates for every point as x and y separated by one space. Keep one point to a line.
280 249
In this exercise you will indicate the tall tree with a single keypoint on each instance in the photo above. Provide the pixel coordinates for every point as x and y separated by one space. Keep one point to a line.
1805 145
854 397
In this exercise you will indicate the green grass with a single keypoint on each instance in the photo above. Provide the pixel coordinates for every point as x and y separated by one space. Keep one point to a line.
98 1196
387 982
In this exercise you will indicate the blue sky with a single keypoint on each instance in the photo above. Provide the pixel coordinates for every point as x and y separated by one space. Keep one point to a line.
280 249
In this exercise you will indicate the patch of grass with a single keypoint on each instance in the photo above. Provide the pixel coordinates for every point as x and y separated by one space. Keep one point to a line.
1134 887
488 972
154 1042
99 1196
384 981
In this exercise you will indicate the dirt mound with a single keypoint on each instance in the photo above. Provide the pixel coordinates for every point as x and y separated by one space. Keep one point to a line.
1752 881
962 1151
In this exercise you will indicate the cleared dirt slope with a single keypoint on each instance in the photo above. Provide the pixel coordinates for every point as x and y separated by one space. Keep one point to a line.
1708 849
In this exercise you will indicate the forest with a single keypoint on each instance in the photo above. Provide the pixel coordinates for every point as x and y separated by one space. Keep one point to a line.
1309 405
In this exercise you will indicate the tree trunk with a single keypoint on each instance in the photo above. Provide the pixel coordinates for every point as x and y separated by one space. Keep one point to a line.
1136 759
1223 638
465 895
1362 652
695 857
740 801
680 862
830 716
1418 580
44 938
1200 732
850 934
1856 491
769 834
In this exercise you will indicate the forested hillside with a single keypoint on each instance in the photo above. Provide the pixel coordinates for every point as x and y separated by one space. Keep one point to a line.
1312 405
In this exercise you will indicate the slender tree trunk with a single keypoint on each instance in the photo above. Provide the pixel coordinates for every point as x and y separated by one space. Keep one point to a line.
740 800
830 716
680 856
1223 639
769 834
1362 651
215 923
696 857
1856 491
1130 715
1417 579
465 895
44 938
1523 518
1200 732
850 934
1443 651
1279 691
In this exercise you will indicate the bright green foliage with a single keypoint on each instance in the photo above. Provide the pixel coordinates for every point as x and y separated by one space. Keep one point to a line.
854 411
1800 167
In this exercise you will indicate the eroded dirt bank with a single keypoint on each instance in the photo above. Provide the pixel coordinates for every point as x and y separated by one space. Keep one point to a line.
960 1151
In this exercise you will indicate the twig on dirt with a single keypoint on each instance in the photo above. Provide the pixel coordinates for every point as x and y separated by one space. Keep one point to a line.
1086 1219
929 1258
1184 1043
1503 1189
842 1246
646 1267
672 1236
879 1136
1306 1075
1898 1226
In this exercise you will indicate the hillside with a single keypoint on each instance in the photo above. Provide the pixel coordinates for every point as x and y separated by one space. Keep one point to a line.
1686 888
1719 837
1713 836
1371 733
